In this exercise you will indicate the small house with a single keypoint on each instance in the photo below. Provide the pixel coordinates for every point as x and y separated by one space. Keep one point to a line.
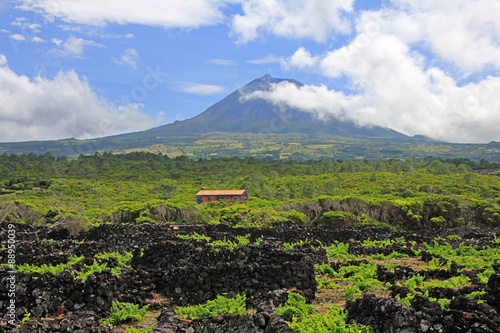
212 195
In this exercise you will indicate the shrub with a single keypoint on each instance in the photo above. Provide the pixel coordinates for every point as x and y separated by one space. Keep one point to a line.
297 217
304 319
125 313
437 222
336 218
295 307
219 306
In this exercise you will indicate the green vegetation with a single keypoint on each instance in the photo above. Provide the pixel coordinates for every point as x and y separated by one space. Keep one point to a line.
466 255
132 329
355 279
294 146
86 270
219 306
413 194
304 318
418 285
240 240
194 236
339 251
144 187
44 269
299 243
125 313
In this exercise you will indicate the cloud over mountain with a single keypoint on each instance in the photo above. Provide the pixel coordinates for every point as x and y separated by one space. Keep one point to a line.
41 108
418 66
438 110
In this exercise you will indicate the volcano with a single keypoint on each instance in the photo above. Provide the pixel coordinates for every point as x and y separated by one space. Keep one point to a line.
235 120
235 114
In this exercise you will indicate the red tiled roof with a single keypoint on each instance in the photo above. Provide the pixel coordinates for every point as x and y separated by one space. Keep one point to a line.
221 192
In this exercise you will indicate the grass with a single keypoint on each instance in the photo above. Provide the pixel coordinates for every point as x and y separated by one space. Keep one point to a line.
125 313
303 318
86 270
219 306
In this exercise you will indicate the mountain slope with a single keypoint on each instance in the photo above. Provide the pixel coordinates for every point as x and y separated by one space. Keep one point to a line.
235 115
255 127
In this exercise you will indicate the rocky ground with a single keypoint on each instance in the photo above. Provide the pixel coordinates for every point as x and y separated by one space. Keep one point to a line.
166 271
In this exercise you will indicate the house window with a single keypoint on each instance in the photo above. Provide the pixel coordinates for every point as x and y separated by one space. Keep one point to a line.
205 199
212 199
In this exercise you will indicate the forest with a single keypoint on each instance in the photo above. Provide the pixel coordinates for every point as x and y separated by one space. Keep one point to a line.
142 187
117 243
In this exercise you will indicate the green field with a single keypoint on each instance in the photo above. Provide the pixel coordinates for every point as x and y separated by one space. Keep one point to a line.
296 146
146 187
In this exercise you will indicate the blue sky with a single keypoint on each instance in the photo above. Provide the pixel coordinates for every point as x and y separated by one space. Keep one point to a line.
93 68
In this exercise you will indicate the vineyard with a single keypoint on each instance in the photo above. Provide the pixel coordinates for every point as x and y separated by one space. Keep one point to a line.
117 243
215 278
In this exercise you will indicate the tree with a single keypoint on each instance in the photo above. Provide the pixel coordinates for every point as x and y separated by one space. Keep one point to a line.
100 192
468 177
292 190
273 175
65 212
167 188
440 168
308 188
282 193
5 208
328 165
25 213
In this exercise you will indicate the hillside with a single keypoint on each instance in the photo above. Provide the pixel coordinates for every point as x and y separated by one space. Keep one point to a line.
238 127
236 115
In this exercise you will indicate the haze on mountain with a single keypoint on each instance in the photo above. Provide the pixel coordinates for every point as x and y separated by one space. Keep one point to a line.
241 123
236 114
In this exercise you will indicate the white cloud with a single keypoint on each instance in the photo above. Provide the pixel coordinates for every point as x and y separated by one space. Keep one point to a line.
270 59
319 100
25 25
222 62
19 21
18 37
159 13
314 19
395 89
65 106
73 46
399 87
56 41
67 27
302 59
199 88
130 57
3 60
34 27
37 39
454 114
463 32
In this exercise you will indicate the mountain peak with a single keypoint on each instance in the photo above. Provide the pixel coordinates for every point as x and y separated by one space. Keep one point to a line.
234 114
264 83
266 77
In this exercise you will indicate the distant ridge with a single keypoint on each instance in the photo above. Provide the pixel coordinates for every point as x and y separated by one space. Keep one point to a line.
234 115
236 127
